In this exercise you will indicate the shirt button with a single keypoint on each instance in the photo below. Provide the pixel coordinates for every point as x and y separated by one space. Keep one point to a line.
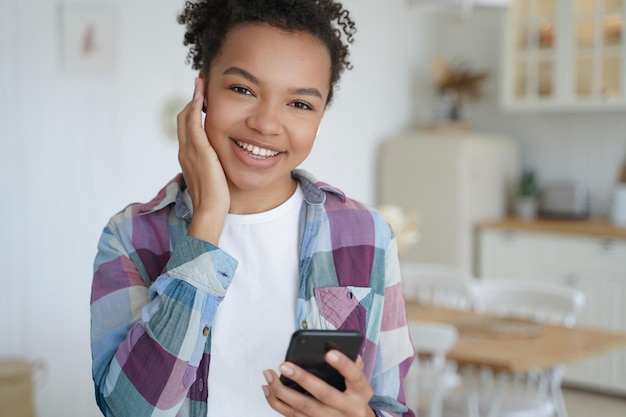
205 331
304 324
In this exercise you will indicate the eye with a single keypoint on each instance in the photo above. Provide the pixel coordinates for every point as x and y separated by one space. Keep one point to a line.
241 90
301 105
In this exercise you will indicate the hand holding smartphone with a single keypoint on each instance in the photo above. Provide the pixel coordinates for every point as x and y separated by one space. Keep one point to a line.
308 348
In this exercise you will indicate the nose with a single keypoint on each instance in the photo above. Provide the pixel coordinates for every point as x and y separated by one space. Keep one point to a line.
266 118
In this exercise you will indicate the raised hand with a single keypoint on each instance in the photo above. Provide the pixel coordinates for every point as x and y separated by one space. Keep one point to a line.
202 170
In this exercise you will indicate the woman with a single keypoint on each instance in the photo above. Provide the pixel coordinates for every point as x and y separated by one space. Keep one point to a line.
197 292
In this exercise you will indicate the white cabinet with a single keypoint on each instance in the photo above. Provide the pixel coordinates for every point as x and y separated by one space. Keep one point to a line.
451 180
565 54
596 265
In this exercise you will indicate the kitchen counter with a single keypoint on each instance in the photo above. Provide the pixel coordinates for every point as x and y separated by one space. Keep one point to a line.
591 227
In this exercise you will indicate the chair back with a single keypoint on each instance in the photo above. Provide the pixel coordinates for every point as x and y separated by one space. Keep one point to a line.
431 376
433 339
539 301
437 284
529 394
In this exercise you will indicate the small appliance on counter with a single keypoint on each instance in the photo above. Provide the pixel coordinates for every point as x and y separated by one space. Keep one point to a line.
618 210
565 200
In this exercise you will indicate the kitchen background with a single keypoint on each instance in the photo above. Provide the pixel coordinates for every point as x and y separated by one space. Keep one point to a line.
77 145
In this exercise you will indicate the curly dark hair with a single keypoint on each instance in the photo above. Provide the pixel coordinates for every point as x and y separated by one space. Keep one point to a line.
209 21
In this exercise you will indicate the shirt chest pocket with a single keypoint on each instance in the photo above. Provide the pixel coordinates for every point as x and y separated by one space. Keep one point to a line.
344 308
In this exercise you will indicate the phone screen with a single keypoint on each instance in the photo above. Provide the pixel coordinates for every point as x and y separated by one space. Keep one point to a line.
307 349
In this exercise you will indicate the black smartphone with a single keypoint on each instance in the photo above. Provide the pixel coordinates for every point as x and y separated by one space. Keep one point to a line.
307 349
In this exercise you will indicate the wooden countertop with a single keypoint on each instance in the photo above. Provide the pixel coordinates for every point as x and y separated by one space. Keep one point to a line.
591 227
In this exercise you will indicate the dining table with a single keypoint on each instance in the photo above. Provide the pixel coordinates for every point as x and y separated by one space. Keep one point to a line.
513 346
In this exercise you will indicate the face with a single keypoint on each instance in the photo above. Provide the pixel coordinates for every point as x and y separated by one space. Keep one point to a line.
266 95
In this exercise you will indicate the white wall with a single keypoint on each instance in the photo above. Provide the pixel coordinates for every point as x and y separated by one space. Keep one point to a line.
75 148
375 100
585 147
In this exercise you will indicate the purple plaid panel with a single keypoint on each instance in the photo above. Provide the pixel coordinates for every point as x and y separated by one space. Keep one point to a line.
394 310
148 367
404 369
199 391
351 224
158 199
352 240
152 232
153 262
120 273
368 354
356 320
171 397
354 265
336 305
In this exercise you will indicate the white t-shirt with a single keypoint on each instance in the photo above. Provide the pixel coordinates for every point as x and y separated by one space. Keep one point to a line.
255 320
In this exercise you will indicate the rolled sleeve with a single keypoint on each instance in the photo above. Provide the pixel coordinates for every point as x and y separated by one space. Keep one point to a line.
202 265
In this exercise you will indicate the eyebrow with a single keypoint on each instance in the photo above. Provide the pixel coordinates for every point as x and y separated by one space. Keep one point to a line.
243 73
296 91
306 92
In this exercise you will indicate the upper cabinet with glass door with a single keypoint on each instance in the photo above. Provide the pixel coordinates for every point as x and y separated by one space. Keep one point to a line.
565 54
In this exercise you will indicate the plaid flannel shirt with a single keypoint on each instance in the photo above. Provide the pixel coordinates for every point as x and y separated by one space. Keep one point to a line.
155 293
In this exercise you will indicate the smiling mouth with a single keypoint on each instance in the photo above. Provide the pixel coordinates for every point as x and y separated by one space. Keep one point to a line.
255 151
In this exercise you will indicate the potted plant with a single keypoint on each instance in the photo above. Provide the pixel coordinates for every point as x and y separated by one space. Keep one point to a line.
527 193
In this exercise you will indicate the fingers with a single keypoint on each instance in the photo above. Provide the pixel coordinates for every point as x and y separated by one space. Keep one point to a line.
311 383
352 402
195 116
190 117
351 371
288 401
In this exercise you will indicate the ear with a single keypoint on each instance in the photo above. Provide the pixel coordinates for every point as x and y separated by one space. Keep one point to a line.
319 128
204 103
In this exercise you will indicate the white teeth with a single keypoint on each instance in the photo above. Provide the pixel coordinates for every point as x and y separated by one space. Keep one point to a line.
255 150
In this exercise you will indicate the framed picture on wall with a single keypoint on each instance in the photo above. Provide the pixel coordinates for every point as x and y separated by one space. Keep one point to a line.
88 37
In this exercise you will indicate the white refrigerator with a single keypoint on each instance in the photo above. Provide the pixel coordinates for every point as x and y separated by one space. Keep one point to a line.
451 180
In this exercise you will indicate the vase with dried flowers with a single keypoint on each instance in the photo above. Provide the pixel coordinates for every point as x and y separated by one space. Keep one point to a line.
456 82
403 222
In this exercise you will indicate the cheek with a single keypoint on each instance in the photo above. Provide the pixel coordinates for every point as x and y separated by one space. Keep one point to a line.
304 137
208 127
215 122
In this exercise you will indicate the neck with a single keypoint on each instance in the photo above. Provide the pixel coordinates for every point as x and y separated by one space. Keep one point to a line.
250 202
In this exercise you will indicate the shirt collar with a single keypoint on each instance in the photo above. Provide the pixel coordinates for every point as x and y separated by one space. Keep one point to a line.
168 195
174 193
314 190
